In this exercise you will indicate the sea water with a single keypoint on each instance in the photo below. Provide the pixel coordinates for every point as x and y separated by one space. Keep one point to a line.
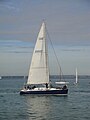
75 106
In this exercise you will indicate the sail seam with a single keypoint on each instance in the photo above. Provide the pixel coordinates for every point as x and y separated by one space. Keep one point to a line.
37 67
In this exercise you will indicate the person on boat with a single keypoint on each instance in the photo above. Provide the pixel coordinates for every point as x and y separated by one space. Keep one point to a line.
64 87
46 85
33 87
24 87
28 87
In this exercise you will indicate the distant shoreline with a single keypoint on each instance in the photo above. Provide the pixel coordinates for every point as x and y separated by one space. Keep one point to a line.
51 76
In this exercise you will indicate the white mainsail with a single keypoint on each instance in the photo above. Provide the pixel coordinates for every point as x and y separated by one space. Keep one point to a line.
39 72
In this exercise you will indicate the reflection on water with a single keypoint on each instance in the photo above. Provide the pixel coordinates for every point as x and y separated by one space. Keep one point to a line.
38 106
43 107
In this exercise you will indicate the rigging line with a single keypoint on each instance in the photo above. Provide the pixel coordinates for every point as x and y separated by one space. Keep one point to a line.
60 71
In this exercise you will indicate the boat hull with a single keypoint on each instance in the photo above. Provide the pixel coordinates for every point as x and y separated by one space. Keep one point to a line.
45 92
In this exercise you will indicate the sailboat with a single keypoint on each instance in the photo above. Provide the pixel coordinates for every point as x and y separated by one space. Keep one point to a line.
76 81
38 79
0 77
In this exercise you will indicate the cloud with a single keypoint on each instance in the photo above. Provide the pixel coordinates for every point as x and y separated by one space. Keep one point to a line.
8 5
12 46
67 22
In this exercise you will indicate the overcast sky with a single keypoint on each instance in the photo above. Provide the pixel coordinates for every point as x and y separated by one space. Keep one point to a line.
68 24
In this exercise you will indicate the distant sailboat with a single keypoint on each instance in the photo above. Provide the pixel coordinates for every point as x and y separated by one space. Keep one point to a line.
0 77
38 79
76 80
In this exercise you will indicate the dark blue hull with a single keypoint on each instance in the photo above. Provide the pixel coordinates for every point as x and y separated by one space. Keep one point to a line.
46 92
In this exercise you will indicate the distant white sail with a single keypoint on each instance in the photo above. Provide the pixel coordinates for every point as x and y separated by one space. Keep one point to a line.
39 72
76 76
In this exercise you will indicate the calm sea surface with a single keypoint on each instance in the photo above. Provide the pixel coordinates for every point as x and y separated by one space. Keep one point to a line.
76 106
